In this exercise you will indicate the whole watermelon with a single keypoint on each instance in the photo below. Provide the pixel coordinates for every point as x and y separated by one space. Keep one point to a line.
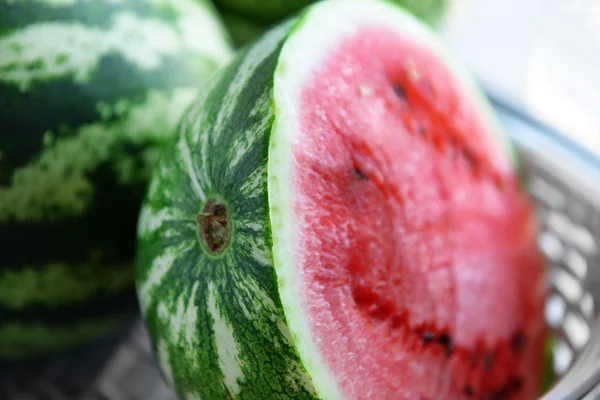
247 19
89 92
341 217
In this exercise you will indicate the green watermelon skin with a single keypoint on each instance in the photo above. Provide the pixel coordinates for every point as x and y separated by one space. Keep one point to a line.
89 93
217 323
242 29
267 11
247 19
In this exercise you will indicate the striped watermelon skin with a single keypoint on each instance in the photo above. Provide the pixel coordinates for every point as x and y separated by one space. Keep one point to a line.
217 322
89 93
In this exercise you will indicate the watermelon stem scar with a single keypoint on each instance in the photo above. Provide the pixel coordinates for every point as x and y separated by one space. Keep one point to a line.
214 226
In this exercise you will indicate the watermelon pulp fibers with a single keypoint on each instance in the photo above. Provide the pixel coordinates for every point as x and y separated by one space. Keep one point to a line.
414 236
338 218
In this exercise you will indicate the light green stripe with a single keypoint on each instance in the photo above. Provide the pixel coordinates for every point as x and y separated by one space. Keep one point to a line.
161 265
227 350
57 284
56 3
56 183
257 54
48 50
18 341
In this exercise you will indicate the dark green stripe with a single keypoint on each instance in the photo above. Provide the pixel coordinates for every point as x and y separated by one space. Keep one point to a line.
91 13
261 11
243 30
181 277
62 103
109 225
120 303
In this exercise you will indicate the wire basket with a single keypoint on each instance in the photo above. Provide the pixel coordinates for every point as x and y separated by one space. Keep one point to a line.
563 180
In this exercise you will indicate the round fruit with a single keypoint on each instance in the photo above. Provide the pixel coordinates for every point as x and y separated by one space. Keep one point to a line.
340 217
243 29
247 19
89 92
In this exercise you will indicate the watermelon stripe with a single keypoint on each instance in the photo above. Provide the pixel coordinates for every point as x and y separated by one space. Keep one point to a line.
19 340
69 240
206 313
25 61
99 306
99 153
15 15
58 284
96 96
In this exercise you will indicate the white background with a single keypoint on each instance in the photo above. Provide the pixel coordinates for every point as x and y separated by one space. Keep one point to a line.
544 54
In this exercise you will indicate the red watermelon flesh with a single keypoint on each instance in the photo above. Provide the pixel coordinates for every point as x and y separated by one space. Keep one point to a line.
419 266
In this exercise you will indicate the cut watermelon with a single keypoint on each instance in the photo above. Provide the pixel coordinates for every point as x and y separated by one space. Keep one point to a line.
340 218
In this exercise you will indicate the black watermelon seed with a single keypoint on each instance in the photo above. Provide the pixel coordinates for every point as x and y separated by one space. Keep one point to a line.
428 337
400 91
446 341
360 174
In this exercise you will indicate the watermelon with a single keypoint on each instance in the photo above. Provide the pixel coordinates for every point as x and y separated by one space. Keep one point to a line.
242 29
340 217
247 19
89 93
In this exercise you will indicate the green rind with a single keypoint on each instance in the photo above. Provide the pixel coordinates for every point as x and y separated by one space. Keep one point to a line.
247 19
56 285
430 11
242 29
90 91
16 14
264 11
27 341
217 322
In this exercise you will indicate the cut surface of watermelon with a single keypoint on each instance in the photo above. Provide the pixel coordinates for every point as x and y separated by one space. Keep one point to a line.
340 218
412 243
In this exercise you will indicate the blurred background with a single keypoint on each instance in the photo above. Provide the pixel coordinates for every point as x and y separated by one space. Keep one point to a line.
541 55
